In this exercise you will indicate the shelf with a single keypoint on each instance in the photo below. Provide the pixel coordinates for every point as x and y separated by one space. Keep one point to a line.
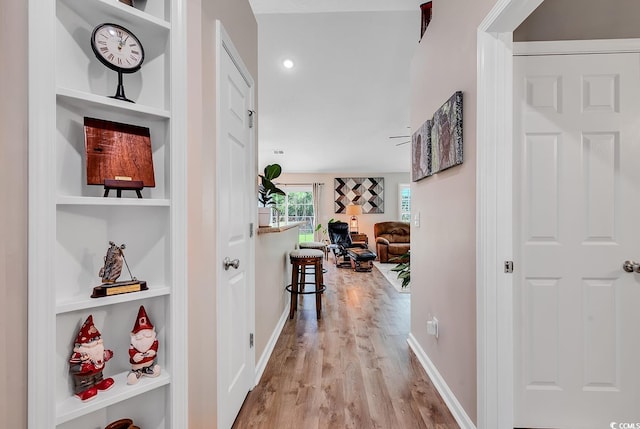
84 302
105 10
71 223
65 200
72 407
83 100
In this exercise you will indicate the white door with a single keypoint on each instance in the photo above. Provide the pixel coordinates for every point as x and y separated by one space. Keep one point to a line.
577 211
236 202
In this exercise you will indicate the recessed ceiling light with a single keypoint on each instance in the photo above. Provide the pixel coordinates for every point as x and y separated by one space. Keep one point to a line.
288 64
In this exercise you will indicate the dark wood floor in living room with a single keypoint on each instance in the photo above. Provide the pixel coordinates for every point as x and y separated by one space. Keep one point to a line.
351 369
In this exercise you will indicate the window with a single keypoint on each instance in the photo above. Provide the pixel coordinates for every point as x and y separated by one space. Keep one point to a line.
405 202
296 206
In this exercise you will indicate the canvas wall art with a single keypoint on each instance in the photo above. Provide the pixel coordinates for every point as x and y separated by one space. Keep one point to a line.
421 152
365 191
437 144
446 134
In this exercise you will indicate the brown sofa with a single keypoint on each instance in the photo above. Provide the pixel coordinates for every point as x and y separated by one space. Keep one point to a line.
392 240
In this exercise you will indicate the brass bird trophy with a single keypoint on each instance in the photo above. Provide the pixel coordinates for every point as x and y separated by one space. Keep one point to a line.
110 272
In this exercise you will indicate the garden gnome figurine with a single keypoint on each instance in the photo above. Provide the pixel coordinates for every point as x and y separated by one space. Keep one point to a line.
88 361
143 349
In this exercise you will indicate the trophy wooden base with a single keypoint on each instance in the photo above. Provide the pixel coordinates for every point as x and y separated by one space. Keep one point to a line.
117 288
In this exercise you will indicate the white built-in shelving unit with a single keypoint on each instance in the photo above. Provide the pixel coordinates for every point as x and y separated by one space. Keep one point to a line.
71 223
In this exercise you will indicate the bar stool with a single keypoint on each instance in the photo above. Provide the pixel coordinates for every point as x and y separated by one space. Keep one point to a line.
300 260
315 245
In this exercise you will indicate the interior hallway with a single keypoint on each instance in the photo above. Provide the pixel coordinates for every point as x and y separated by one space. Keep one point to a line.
352 369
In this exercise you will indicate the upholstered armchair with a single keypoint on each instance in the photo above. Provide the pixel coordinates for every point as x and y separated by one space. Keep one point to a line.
392 240
341 241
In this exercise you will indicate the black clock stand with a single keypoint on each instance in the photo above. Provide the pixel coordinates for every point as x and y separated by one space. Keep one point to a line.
120 91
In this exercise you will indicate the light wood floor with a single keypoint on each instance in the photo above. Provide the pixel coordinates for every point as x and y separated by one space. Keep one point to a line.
352 369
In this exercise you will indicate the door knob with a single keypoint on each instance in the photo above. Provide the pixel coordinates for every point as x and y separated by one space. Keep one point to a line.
631 266
229 263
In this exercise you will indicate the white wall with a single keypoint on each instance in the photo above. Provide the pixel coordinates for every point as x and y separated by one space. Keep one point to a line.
273 273
443 248
366 221
580 19
13 215
237 18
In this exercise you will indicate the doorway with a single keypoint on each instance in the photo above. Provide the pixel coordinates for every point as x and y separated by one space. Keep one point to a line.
235 214
494 213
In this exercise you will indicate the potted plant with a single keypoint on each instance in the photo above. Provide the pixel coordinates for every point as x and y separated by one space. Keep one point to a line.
403 268
266 191
323 230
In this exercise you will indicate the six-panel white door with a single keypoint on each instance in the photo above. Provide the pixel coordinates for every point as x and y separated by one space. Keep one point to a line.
236 201
577 217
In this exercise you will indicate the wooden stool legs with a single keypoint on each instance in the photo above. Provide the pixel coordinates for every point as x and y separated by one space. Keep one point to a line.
298 280
319 284
294 290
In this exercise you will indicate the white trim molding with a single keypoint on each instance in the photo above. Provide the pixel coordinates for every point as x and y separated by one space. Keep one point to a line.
576 47
493 212
493 217
41 381
179 302
440 384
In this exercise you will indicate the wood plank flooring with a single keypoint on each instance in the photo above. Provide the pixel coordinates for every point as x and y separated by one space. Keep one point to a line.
352 369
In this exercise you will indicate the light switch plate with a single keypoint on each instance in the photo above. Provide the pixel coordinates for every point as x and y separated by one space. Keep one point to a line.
432 327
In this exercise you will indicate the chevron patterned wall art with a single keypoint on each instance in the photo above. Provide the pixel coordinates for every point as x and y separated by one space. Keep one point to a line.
365 191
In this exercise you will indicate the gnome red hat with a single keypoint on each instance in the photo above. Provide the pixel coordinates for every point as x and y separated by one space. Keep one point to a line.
142 322
88 332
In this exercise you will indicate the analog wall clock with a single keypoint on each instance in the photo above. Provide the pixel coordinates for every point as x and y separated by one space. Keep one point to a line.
119 49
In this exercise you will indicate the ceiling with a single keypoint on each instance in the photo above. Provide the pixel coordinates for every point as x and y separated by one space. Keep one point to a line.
348 91
315 6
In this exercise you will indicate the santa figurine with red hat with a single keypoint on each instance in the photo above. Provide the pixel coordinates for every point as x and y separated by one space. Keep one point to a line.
88 361
143 349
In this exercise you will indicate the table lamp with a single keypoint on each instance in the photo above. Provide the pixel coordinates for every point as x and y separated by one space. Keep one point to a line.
354 210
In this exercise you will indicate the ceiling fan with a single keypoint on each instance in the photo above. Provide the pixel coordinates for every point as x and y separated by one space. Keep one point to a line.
401 137
407 137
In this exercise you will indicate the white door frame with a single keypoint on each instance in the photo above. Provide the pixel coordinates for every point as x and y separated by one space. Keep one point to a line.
494 298
494 217
224 43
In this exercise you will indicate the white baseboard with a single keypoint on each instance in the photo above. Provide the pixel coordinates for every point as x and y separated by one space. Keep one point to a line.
447 395
262 362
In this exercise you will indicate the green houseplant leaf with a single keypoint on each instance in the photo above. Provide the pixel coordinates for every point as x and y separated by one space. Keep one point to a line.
324 229
403 268
267 189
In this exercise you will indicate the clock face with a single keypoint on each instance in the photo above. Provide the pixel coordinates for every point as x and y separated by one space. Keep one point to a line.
117 48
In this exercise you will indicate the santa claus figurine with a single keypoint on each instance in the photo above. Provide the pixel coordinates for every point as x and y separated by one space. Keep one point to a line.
88 361
143 349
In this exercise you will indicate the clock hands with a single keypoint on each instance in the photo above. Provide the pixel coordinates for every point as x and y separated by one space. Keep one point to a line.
122 42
